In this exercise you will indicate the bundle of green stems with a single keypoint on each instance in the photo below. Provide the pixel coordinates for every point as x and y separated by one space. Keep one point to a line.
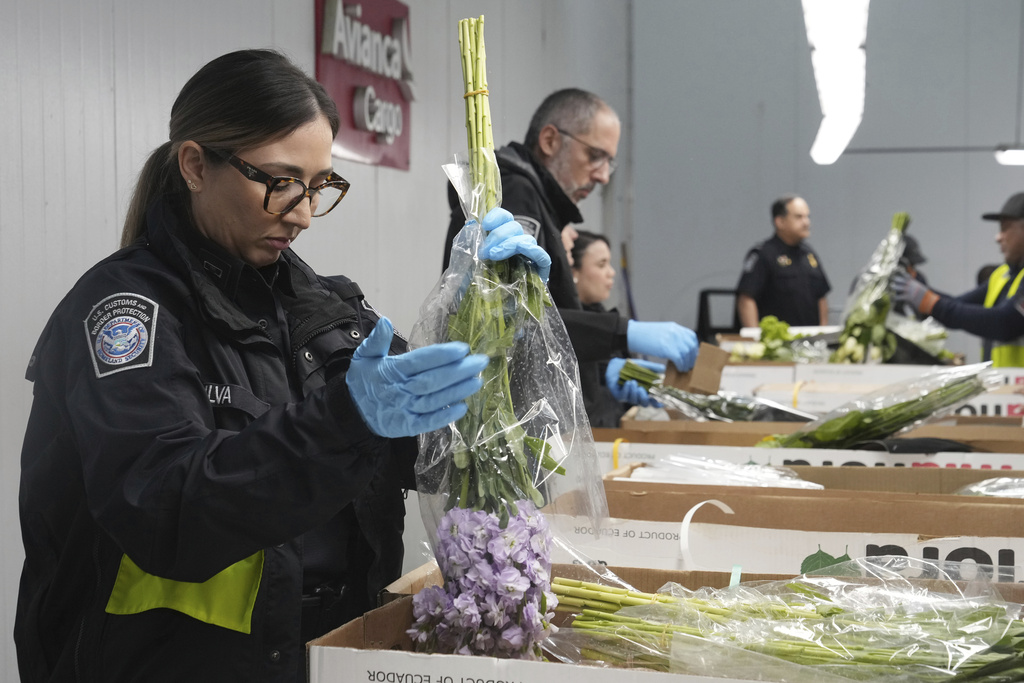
956 640
495 461
871 424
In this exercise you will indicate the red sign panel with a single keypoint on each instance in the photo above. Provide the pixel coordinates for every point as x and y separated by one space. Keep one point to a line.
364 63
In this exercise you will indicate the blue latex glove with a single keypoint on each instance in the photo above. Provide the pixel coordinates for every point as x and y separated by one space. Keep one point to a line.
630 391
663 340
414 392
906 288
505 237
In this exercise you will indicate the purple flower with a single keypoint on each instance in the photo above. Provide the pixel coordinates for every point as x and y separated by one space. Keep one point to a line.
483 641
512 638
511 583
494 613
495 581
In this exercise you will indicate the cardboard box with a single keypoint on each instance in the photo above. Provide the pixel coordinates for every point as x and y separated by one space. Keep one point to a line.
865 512
820 397
991 438
613 454
375 649
745 378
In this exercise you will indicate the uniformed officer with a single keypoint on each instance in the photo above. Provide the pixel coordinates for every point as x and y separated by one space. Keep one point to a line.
782 276
213 467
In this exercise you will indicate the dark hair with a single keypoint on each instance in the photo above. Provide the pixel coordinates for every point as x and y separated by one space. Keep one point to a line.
570 109
238 100
584 240
780 207
985 272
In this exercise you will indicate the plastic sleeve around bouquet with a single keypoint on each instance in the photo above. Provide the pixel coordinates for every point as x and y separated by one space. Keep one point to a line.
864 337
892 409
929 334
726 406
526 436
680 468
890 619
873 281
998 487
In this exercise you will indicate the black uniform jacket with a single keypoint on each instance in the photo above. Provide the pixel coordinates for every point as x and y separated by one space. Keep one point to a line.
188 415
533 196
785 281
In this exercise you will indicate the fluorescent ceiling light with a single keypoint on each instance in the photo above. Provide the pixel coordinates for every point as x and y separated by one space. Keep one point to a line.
836 32
1010 156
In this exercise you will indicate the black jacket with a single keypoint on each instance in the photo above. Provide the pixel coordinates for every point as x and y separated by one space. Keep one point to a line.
533 196
197 417
786 281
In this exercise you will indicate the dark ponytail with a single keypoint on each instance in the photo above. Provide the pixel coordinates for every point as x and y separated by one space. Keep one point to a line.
158 176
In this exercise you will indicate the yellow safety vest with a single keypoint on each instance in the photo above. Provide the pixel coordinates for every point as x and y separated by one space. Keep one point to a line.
1004 354
226 599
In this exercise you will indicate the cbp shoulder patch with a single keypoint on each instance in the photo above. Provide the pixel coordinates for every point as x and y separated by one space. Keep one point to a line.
120 331
751 261
531 226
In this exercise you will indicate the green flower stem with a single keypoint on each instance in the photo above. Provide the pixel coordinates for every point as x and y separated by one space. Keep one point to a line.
492 453
854 640
866 425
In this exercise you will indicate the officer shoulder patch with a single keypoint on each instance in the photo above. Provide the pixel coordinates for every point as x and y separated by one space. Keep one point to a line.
531 226
120 331
751 261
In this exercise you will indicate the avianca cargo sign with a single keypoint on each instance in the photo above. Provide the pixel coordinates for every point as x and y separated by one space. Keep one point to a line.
364 62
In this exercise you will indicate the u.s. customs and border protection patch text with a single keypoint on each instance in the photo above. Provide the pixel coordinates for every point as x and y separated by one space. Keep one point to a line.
120 330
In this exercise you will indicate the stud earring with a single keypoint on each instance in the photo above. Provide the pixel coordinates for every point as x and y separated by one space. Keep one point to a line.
192 185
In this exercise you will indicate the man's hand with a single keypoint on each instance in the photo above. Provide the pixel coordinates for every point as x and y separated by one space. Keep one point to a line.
909 290
630 392
663 340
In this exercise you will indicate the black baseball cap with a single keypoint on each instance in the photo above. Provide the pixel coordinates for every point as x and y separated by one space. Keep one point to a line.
1013 210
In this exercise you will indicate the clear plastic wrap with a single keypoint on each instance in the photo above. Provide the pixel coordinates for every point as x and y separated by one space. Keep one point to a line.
695 469
929 334
864 338
726 406
526 435
999 487
892 409
892 619
522 455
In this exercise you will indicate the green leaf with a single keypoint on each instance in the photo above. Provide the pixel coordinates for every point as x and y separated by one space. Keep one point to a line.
816 561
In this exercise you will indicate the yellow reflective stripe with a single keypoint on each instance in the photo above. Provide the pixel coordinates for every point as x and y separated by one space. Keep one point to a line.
1004 355
1007 356
226 599
997 280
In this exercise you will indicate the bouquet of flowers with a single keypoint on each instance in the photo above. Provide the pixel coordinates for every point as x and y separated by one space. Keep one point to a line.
524 444
892 409
892 619
865 337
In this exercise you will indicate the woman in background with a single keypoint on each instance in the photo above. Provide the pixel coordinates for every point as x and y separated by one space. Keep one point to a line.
594 276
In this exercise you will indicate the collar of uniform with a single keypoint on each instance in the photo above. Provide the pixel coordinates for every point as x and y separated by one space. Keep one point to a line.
224 269
799 246
565 208
171 235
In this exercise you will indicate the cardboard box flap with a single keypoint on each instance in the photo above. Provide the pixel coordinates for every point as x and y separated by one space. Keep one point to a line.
706 375
380 629
427 574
